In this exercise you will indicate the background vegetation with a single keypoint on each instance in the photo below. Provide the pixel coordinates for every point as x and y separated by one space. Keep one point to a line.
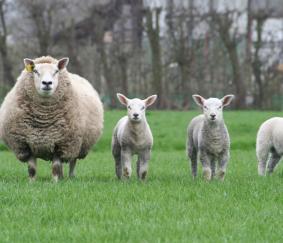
174 48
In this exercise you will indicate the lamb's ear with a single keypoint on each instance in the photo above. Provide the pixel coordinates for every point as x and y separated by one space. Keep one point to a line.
199 100
150 100
29 64
123 99
226 100
62 63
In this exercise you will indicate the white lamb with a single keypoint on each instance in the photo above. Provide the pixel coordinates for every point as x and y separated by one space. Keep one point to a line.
208 136
132 135
269 142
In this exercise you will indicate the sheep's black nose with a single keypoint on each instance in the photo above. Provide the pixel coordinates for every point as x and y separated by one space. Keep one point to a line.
46 83
212 116
135 115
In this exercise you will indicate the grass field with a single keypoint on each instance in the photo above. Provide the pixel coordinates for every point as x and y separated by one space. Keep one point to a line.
168 207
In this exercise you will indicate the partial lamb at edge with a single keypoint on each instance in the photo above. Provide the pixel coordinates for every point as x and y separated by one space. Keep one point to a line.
269 145
208 136
132 135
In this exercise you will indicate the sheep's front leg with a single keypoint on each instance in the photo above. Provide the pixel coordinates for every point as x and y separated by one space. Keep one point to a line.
142 163
223 161
206 167
126 156
72 165
32 168
57 169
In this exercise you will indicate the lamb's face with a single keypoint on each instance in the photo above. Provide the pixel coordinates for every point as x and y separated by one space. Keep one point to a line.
136 110
136 107
213 107
45 75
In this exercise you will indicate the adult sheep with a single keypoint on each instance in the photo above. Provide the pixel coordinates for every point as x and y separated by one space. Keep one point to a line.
50 114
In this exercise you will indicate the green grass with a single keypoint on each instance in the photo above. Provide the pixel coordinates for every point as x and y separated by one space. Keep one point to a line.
168 207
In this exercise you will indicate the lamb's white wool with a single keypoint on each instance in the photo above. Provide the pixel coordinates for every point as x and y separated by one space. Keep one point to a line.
50 114
269 144
208 136
132 135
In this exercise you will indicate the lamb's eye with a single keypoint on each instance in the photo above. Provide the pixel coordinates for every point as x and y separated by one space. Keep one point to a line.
129 107
35 71
56 72
219 107
143 108
205 107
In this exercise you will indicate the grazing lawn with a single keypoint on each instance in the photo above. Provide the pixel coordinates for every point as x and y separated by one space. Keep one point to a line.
168 207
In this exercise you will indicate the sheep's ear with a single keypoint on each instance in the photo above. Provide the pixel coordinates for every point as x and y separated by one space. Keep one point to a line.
280 67
226 100
29 64
199 100
150 100
123 99
62 63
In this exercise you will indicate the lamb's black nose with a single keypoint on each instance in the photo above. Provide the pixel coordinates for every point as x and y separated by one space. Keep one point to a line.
212 116
135 115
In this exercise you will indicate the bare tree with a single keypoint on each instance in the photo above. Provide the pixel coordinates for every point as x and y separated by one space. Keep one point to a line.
6 63
153 33
224 23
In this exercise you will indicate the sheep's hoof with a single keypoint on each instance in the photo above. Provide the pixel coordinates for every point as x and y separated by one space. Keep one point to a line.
126 173
143 175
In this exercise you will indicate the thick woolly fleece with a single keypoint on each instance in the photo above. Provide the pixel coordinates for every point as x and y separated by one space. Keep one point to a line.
65 125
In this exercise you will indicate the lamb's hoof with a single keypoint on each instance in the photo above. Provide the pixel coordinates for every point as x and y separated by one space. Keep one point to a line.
207 175
32 179
221 175
55 178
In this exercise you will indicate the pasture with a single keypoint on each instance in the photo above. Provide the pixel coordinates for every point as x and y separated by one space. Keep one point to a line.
168 207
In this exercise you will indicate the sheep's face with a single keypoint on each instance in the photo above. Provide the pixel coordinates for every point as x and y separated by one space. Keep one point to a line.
213 107
136 107
45 75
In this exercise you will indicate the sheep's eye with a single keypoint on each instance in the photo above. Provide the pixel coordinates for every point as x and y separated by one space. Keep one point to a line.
129 107
205 107
219 107
143 108
56 71
35 71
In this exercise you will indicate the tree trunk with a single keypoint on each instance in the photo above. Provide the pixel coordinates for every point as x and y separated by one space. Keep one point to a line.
156 63
256 63
6 63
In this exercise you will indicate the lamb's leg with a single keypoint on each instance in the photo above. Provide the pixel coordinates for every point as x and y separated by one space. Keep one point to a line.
126 156
192 153
262 153
57 169
274 159
213 167
142 163
116 152
223 161
72 165
206 168
32 168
